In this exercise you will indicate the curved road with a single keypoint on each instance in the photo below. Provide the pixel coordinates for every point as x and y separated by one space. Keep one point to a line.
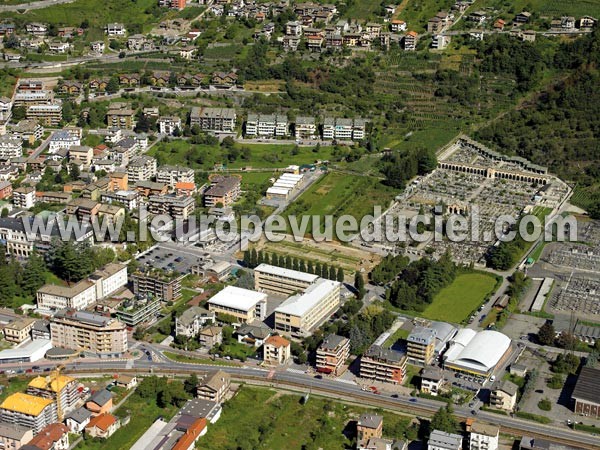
328 387
33 5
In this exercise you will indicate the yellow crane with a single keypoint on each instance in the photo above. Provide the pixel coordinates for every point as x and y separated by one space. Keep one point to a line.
59 388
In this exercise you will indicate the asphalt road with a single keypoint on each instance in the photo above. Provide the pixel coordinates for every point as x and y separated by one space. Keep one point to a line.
34 5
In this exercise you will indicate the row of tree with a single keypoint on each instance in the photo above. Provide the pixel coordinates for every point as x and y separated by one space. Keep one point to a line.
253 258
18 280
388 268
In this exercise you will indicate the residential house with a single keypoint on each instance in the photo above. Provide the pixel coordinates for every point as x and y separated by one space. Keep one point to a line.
276 350
224 79
254 334
97 47
522 17
477 17
102 426
70 87
192 320
368 426
504 395
160 78
5 189
210 336
397 25
483 436
15 436
18 330
62 139
78 419
100 402
98 84
168 124
126 381
54 436
431 380
587 23
409 43
115 29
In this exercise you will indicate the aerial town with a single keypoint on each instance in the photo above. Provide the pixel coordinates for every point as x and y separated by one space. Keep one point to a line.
242 224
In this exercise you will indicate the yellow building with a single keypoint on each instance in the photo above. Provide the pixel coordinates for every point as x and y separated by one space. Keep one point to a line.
28 411
268 278
49 386
19 330
421 345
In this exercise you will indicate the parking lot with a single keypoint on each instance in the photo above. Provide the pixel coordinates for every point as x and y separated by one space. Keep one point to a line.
169 258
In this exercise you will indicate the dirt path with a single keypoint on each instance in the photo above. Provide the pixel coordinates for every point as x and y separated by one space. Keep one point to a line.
400 8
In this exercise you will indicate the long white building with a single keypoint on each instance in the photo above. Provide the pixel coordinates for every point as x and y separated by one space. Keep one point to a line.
278 280
243 304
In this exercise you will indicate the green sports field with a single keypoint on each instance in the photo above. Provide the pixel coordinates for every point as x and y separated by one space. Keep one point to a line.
455 302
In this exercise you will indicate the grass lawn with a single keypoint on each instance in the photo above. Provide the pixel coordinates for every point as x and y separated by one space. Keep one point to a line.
418 12
455 302
399 334
548 8
261 155
98 13
363 9
143 413
412 376
286 423
188 359
338 194
12 385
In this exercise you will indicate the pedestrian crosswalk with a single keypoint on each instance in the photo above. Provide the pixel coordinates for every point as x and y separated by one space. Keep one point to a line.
295 371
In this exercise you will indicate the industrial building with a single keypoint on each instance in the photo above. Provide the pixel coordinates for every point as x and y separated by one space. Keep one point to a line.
586 395
477 353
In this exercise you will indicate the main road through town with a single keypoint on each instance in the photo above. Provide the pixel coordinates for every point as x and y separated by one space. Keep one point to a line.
307 383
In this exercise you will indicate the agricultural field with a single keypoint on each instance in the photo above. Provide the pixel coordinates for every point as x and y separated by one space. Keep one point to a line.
364 9
455 302
325 424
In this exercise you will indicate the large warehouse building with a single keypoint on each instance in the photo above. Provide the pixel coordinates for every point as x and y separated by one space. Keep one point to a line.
243 304
476 353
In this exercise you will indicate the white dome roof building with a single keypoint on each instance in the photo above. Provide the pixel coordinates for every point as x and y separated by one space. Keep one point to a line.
477 353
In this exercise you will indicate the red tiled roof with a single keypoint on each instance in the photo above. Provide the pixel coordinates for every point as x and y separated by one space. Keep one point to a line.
277 341
103 421
190 435
50 434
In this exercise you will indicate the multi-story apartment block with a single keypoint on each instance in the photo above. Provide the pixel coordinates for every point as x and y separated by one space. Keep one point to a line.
56 386
168 124
243 304
28 130
109 279
278 280
63 139
30 98
409 42
48 115
53 297
10 147
24 197
176 206
267 125
141 168
214 119
369 426
384 365
82 154
120 115
421 345
223 190
84 331
129 199
18 330
171 175
28 411
133 312
344 129
332 355
215 387
293 28
302 313
154 283
504 395
306 128
193 320
483 436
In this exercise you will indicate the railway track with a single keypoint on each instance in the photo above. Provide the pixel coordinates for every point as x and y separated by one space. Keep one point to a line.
359 398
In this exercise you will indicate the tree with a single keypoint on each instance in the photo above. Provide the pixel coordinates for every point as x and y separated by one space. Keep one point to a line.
332 273
359 284
34 275
74 171
112 86
444 420
340 275
190 384
546 334
247 258
18 113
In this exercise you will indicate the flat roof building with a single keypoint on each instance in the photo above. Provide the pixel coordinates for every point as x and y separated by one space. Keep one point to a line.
28 411
440 440
278 280
214 119
332 355
302 313
384 365
421 345
243 304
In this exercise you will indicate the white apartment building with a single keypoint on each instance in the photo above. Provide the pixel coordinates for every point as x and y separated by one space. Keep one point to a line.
62 139
193 320
115 29
168 124
129 199
10 147
109 279
267 125
49 115
171 175
141 168
52 297
344 129
302 313
24 197
440 440
483 437
306 128
214 119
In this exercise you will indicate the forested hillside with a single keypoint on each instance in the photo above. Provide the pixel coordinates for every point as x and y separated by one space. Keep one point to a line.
560 128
